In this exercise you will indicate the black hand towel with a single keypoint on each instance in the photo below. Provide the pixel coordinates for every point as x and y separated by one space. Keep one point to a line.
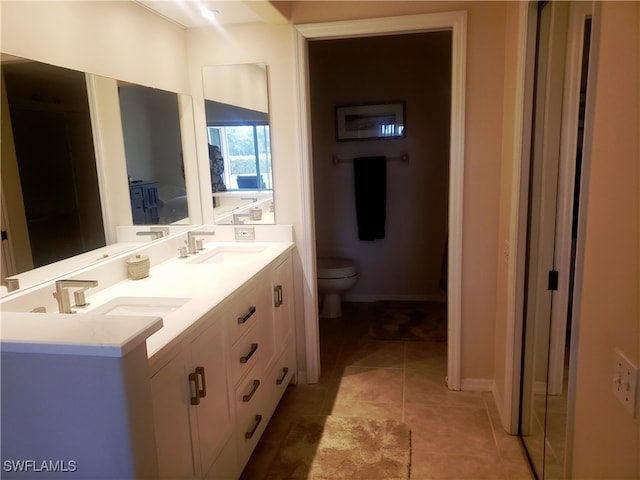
370 175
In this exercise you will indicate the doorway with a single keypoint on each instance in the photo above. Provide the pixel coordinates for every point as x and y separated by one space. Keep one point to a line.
563 38
456 23
405 197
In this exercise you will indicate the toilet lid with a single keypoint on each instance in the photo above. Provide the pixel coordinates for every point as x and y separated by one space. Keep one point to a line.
335 268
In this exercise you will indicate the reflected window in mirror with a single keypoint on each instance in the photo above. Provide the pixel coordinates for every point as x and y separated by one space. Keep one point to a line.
154 154
239 138
239 154
51 198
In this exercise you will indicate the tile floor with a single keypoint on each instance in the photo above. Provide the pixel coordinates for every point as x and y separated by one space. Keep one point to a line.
455 435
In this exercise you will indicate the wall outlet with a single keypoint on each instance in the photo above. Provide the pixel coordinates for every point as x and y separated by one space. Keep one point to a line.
625 382
245 233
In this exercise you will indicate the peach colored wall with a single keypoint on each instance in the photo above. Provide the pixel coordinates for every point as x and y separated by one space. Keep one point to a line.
483 145
607 438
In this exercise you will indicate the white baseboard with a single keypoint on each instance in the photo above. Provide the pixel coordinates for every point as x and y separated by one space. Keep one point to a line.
477 384
366 297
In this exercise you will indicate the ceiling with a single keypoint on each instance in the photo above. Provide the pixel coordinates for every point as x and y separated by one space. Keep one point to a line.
188 12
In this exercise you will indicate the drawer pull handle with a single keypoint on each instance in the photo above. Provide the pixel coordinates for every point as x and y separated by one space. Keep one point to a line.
277 295
193 386
247 315
279 381
254 388
247 357
202 392
248 435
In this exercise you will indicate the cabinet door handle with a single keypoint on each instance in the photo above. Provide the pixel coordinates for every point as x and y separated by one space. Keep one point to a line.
245 359
202 392
254 388
247 315
250 433
193 387
280 294
279 381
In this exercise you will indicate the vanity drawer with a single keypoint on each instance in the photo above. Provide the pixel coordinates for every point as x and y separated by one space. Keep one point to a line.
254 348
280 375
253 410
246 311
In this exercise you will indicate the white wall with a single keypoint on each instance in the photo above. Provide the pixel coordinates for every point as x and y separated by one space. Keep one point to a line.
120 40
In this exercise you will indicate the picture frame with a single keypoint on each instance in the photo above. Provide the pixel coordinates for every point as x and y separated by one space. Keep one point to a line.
370 121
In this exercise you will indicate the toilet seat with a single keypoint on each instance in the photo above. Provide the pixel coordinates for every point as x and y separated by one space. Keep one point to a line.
334 268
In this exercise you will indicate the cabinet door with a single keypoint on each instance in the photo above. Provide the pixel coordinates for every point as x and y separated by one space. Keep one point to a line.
283 304
214 411
178 454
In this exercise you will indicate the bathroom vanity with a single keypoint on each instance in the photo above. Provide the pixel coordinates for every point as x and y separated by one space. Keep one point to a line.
174 376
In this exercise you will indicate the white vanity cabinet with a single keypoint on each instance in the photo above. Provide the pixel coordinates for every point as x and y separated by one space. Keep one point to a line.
214 398
192 413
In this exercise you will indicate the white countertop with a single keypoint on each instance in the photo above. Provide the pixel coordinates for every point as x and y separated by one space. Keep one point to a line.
205 285
91 335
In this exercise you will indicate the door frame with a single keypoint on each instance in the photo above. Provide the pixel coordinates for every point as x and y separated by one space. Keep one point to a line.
456 22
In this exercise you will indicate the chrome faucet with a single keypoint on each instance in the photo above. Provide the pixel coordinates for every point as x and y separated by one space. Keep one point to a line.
191 240
155 232
238 218
12 284
62 293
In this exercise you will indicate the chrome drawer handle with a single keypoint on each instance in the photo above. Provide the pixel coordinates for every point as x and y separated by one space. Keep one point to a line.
245 359
247 315
202 392
250 433
279 381
254 388
193 386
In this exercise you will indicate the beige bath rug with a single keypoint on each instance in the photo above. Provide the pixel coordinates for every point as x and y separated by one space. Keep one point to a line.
409 321
333 447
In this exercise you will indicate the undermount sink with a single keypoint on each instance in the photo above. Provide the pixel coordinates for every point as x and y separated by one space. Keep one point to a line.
140 306
228 254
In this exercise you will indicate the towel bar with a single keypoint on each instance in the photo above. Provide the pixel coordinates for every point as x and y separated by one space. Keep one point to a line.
402 158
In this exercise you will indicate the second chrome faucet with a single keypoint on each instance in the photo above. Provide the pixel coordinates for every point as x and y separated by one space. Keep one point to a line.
62 293
191 240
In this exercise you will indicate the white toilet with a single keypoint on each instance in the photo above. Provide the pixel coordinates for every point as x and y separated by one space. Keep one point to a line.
335 275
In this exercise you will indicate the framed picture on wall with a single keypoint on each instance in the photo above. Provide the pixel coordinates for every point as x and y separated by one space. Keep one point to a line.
361 122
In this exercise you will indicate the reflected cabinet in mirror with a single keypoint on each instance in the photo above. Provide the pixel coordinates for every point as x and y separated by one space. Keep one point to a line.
239 143
153 149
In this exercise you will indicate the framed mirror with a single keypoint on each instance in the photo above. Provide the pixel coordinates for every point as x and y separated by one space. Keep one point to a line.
238 134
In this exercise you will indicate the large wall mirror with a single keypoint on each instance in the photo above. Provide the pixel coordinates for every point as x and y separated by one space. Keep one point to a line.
238 134
53 202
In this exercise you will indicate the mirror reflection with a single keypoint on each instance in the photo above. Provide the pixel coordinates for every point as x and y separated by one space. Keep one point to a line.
237 113
52 210
51 200
154 155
